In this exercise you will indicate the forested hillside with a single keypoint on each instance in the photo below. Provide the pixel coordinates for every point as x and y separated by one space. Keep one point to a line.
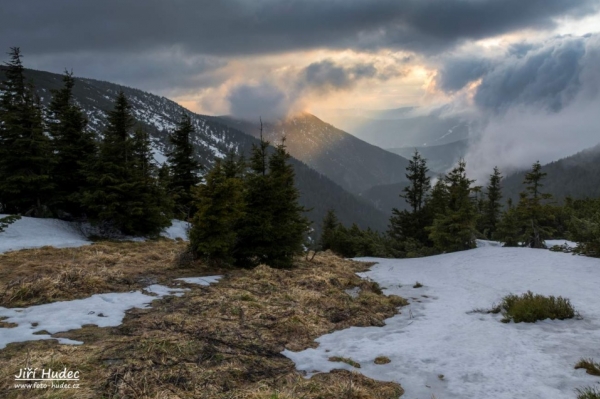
577 176
158 116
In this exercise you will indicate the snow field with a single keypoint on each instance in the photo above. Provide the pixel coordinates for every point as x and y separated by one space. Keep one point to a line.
478 356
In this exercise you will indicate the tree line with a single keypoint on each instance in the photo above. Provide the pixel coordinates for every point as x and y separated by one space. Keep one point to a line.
452 213
52 165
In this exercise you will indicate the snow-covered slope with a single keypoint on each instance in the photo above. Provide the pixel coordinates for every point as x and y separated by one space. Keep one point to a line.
36 233
477 355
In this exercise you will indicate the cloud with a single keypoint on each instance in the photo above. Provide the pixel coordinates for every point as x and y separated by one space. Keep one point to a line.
258 100
547 76
457 72
236 27
277 98
539 105
167 71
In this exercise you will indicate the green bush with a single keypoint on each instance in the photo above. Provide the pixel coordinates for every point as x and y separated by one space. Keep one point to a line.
530 307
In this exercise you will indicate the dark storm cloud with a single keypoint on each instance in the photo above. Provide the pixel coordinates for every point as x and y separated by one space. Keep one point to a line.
233 27
170 73
327 76
548 76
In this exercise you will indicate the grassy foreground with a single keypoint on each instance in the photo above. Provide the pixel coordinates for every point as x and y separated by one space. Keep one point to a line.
221 341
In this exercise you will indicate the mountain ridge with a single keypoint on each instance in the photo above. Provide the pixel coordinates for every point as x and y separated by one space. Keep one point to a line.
354 164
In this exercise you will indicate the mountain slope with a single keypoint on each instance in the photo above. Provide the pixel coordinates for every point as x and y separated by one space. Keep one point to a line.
402 127
345 159
577 176
213 139
439 157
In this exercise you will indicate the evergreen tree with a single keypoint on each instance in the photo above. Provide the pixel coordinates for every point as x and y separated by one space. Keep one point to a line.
124 191
410 225
420 183
153 205
508 230
184 167
289 223
455 230
25 153
74 149
273 228
256 231
536 216
220 204
492 207
328 229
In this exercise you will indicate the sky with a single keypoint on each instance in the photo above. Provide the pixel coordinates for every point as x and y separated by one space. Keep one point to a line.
526 68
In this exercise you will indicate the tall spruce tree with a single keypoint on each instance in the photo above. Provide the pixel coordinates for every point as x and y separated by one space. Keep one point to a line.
184 168
256 231
410 225
455 229
154 206
124 193
74 148
25 153
420 182
290 226
535 214
492 208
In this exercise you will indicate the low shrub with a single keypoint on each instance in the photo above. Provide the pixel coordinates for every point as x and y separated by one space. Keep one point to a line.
588 393
590 366
530 307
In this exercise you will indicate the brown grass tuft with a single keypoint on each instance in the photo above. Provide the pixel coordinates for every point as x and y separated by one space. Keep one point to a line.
382 360
590 366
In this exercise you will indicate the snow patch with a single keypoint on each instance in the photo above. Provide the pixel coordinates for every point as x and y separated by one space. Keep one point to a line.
207 280
35 233
178 229
103 310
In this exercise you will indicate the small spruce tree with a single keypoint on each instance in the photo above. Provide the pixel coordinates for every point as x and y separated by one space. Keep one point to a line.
455 229
492 208
220 207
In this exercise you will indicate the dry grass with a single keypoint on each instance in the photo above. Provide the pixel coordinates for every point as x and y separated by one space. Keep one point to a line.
36 276
218 342
590 366
346 360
